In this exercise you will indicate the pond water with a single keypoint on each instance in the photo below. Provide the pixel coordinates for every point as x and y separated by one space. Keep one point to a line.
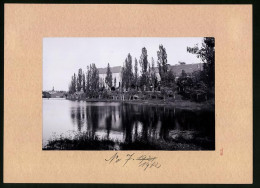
126 123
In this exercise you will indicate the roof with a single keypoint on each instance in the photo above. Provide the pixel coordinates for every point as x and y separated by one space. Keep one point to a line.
116 69
188 68
177 69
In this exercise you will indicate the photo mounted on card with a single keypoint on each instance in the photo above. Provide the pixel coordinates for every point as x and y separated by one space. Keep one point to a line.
140 99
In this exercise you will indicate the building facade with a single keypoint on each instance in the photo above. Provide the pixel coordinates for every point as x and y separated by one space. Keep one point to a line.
176 69
116 74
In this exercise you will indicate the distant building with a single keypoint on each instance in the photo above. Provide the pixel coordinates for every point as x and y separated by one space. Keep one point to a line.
53 94
176 69
188 68
116 73
58 95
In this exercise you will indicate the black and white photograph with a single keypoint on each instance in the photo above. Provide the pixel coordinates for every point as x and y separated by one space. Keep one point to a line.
128 93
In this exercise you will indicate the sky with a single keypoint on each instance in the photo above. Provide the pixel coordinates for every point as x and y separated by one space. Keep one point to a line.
62 57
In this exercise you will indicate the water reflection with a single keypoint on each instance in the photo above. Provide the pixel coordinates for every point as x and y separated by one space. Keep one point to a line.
128 123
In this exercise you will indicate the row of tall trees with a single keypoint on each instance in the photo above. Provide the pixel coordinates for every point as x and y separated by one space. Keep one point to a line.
87 82
90 84
148 78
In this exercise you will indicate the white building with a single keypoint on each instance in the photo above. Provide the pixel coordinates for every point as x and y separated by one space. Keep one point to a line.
116 73
177 70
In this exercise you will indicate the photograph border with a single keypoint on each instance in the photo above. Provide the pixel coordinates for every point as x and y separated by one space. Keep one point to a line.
195 106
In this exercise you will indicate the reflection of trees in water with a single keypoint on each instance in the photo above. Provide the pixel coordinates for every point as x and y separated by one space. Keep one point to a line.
91 115
88 120
184 119
83 113
109 123
127 121
114 112
145 119
80 115
135 132
154 121
166 117
189 120
94 119
203 121
73 115
76 117
141 122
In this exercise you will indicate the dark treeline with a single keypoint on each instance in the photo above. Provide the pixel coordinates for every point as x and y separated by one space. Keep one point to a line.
87 83
160 79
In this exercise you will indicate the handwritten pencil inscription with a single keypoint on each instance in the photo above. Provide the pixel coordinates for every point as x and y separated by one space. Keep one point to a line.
143 161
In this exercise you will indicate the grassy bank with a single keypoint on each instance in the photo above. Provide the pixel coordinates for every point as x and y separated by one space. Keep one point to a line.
181 104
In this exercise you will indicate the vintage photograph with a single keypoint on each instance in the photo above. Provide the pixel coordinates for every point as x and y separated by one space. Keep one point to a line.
128 93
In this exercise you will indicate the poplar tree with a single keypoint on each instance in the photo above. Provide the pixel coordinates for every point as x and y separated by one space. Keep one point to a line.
162 61
108 78
144 65
127 72
136 73
79 80
84 82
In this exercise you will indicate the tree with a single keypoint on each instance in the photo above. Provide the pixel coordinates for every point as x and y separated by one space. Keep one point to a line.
73 83
143 60
94 80
144 65
149 77
71 91
79 80
169 80
183 74
115 82
167 76
84 82
109 76
136 73
123 76
127 73
154 80
88 76
162 61
207 54
184 83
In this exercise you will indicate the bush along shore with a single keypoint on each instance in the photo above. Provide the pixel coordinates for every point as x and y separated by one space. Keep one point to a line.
183 141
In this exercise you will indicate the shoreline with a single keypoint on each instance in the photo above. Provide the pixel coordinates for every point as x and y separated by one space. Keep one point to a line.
181 104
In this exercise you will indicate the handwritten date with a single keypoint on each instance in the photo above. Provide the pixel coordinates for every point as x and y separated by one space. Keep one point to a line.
142 161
